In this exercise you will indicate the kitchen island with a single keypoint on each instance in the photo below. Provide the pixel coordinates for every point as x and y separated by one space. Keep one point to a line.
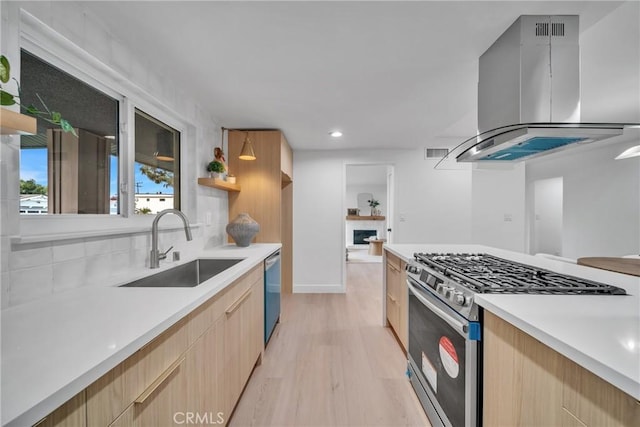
55 347
599 334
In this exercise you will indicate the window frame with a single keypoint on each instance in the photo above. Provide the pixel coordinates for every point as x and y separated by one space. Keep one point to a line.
50 46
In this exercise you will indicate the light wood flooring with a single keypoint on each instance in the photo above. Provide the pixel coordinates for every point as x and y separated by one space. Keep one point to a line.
331 362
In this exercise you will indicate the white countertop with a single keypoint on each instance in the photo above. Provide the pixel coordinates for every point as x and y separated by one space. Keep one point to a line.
56 346
600 333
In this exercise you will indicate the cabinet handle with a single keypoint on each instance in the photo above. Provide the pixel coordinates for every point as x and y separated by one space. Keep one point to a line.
393 300
154 385
233 307
393 267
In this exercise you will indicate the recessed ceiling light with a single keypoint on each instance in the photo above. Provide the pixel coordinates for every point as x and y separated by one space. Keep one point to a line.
336 134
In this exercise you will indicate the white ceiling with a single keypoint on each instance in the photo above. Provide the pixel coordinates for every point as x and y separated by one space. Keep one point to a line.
387 74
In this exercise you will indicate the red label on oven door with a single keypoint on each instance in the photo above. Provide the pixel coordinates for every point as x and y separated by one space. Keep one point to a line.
449 357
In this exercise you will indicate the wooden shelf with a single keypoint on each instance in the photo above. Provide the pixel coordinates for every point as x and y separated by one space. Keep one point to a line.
219 184
12 123
365 218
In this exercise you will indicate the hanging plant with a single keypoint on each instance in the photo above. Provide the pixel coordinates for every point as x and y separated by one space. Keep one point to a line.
7 99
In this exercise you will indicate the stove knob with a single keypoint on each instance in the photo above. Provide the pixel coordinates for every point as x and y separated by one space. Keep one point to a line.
413 269
448 291
459 298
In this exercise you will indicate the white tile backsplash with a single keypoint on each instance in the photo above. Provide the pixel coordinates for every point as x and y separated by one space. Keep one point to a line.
66 251
30 284
97 247
68 274
32 257
121 244
97 269
121 261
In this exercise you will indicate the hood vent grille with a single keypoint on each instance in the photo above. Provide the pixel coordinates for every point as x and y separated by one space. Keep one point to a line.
557 29
542 29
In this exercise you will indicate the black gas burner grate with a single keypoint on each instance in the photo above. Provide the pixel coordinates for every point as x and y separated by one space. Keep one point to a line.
484 273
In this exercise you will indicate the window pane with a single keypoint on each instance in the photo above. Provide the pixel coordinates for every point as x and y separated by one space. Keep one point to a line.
157 165
61 173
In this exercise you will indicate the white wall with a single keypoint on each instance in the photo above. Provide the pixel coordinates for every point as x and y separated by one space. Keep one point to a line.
432 206
33 270
601 199
498 200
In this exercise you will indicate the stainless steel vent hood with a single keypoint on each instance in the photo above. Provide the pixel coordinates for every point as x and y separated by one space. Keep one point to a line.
529 94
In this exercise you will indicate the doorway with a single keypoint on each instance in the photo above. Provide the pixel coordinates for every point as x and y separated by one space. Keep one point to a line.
547 216
366 221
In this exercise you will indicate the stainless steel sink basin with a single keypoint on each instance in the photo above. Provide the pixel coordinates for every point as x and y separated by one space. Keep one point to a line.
185 275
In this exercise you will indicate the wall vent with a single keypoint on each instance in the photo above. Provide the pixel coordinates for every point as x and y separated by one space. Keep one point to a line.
435 153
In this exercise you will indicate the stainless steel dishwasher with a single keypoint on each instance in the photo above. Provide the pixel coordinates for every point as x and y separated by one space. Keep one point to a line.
272 285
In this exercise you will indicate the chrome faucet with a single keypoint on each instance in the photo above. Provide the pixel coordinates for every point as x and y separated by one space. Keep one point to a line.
156 255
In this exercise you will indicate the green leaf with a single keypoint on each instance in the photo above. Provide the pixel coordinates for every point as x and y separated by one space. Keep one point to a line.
5 69
6 98
66 126
32 110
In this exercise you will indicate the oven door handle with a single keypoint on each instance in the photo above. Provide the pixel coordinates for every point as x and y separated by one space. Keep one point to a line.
459 326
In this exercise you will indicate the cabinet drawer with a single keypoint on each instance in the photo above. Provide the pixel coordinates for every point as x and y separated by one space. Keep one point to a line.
392 260
71 414
393 281
393 313
110 395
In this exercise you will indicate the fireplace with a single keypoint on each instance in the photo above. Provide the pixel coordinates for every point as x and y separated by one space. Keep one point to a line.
360 235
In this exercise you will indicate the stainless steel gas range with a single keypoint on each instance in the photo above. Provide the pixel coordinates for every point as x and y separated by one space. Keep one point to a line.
445 324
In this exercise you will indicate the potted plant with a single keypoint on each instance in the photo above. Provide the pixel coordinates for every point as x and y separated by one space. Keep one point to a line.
7 99
216 169
373 204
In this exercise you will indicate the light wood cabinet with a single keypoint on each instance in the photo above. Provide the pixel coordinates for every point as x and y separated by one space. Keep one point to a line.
71 414
242 341
538 386
110 395
267 191
397 297
197 368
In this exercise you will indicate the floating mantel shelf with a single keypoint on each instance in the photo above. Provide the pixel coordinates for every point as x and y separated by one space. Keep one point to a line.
219 184
364 218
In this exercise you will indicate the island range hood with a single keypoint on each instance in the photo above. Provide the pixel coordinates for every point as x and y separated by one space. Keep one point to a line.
529 94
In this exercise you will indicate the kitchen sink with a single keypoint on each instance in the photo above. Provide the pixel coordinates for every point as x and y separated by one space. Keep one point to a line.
186 275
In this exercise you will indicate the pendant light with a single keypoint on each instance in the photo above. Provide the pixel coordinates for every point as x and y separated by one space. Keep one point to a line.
247 152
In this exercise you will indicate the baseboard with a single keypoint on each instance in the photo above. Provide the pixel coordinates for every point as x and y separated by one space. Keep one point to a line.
318 289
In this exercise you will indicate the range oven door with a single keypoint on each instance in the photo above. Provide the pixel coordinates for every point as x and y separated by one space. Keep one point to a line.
443 359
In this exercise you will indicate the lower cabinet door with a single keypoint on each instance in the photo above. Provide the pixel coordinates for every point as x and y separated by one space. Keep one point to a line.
71 414
162 403
204 366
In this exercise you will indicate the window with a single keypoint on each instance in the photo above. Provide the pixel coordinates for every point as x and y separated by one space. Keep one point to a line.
157 165
61 173
70 174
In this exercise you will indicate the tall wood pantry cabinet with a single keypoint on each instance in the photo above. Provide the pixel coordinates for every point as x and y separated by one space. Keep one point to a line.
267 191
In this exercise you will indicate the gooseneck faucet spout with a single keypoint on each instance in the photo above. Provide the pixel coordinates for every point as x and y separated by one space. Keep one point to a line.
156 256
